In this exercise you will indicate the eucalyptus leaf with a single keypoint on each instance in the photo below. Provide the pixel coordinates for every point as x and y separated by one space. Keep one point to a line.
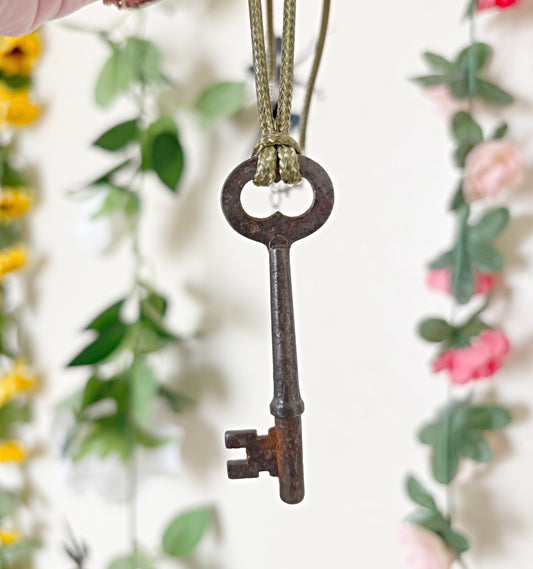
102 442
116 76
185 532
144 389
466 130
220 101
167 159
419 494
107 177
489 226
485 258
501 131
455 541
177 402
164 124
106 343
457 433
438 62
493 95
487 417
460 88
474 57
473 328
443 261
475 447
460 155
430 80
118 137
119 199
107 318
146 60
445 460
435 330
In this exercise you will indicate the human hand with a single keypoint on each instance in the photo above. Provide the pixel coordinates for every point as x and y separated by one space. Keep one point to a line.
20 17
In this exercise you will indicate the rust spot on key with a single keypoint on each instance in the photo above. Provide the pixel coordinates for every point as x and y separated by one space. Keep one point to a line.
279 452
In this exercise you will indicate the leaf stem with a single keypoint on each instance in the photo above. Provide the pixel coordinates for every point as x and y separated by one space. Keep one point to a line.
472 63
133 509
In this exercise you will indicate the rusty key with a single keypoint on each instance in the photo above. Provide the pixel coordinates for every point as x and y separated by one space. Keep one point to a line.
280 451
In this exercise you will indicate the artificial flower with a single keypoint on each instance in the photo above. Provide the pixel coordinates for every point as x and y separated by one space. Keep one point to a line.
10 451
480 360
440 280
14 202
445 103
9 536
17 380
491 167
501 4
18 55
16 109
12 259
426 549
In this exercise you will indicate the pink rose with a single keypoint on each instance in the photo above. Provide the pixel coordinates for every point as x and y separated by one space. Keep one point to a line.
490 167
480 360
445 104
426 549
440 280
501 4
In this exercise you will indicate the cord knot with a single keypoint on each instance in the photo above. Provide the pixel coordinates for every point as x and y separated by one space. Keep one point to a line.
277 150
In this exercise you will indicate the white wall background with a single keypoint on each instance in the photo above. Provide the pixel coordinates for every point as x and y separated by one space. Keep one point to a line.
358 286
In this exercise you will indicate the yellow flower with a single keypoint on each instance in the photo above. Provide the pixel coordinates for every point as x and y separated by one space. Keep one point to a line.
10 451
12 259
16 108
18 55
9 536
14 202
18 379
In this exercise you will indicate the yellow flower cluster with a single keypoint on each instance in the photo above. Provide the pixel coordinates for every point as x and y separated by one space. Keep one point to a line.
17 380
12 258
14 202
11 451
17 58
16 109
18 55
9 536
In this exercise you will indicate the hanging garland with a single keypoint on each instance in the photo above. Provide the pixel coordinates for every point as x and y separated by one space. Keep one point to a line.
469 348
113 414
18 57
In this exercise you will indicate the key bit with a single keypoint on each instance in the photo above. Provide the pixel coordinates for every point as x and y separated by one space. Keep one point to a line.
279 452
261 453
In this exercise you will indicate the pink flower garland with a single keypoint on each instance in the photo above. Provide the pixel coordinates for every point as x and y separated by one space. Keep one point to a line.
479 361
501 4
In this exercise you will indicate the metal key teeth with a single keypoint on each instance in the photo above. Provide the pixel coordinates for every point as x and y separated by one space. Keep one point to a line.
261 453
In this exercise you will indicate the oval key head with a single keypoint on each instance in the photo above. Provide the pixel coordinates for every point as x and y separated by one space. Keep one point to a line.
291 229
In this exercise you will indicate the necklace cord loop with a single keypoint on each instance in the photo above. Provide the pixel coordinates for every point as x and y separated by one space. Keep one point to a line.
276 150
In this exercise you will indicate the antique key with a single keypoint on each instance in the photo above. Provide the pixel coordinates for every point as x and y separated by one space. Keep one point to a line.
280 451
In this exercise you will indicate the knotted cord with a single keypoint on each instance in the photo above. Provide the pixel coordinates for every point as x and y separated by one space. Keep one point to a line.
276 149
